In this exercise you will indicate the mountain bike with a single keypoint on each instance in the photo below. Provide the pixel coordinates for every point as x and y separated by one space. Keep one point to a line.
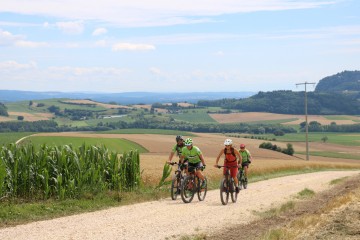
227 186
241 178
176 181
191 185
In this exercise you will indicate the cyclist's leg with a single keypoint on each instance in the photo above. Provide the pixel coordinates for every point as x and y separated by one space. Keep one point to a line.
246 172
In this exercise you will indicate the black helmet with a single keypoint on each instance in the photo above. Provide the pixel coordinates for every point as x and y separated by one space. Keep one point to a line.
179 138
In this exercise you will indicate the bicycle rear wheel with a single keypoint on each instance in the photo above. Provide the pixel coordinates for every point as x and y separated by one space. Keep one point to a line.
239 177
234 194
224 192
188 189
245 183
175 187
202 190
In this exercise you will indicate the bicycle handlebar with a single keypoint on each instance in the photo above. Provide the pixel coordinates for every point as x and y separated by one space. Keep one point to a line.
220 166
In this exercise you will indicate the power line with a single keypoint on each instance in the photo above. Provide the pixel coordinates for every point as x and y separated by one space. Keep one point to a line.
306 119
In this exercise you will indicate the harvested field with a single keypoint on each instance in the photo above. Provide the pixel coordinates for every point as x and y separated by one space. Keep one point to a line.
211 144
32 116
261 116
85 101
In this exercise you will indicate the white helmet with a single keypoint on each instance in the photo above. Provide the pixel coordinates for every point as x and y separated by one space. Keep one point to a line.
228 142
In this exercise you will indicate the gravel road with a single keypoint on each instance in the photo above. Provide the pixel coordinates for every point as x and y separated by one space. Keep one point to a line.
167 219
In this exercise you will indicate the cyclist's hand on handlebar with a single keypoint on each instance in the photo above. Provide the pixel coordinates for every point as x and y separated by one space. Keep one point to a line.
203 167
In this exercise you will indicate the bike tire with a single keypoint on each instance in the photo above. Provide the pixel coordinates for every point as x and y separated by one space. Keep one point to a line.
202 191
224 192
188 189
245 184
234 194
175 187
239 177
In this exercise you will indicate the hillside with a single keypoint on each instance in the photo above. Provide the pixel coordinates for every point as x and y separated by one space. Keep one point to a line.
346 81
289 102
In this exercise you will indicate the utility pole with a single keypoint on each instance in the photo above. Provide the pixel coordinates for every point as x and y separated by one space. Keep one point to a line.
306 120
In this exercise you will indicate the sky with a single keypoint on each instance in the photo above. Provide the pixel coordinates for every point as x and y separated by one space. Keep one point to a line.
175 46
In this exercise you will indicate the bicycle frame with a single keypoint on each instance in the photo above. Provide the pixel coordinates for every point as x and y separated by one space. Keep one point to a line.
227 186
191 185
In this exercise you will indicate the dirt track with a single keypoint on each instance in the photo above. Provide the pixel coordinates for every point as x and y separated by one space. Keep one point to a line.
173 219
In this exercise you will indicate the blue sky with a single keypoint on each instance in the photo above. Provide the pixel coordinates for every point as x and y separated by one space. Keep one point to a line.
175 46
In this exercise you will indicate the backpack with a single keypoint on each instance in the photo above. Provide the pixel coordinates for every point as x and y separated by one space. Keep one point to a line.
232 151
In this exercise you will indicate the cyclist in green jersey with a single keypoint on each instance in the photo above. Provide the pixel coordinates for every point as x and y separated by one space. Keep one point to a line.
195 158
246 159
177 148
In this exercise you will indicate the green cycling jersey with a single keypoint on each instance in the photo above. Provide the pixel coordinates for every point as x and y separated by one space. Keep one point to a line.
245 155
193 155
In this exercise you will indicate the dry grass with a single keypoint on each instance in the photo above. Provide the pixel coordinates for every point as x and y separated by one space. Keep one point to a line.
316 225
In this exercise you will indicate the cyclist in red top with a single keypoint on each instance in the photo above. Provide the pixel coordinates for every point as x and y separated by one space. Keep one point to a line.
231 154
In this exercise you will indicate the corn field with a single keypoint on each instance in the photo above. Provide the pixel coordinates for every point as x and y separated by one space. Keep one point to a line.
63 172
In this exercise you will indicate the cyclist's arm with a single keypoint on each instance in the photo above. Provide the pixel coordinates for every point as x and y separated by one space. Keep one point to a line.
218 157
181 159
202 159
249 155
238 156
171 156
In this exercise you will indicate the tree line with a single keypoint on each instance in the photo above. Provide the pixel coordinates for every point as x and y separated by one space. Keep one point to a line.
289 102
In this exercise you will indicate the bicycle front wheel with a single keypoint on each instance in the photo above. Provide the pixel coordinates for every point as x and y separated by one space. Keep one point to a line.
188 189
202 190
224 191
175 187
234 194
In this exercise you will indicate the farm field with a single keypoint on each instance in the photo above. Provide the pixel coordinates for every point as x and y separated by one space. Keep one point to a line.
266 164
248 117
265 161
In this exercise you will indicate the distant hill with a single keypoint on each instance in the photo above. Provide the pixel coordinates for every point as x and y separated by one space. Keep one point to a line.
122 98
346 81
289 102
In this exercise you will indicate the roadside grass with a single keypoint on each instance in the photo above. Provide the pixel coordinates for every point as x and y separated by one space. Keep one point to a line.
14 212
306 193
301 225
113 144
338 180
276 211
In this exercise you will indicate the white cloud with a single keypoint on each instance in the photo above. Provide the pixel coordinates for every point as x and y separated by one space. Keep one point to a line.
30 44
150 13
7 38
132 47
71 27
99 31
13 65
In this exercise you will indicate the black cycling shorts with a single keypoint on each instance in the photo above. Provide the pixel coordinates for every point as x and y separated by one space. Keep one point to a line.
245 164
193 166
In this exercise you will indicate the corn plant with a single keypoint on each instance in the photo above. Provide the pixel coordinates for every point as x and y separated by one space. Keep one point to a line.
64 172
